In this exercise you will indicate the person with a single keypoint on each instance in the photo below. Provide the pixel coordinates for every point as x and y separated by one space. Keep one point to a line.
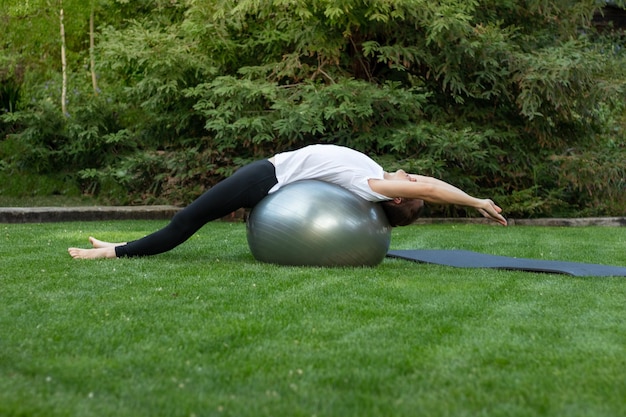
402 195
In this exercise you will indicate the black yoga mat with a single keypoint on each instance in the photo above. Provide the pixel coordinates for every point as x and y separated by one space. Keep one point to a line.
468 259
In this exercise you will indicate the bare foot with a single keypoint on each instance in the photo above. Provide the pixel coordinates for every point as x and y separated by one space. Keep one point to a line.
101 244
96 253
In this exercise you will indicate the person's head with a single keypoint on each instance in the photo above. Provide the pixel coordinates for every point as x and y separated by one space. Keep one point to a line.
402 211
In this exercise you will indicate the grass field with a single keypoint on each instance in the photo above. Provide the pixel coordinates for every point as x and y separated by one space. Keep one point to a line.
205 330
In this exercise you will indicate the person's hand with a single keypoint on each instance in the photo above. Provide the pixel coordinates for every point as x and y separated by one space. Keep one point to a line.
491 211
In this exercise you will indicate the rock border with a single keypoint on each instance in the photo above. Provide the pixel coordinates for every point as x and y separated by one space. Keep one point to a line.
107 213
86 213
551 222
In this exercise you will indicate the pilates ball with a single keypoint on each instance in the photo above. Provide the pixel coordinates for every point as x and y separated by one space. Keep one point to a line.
316 223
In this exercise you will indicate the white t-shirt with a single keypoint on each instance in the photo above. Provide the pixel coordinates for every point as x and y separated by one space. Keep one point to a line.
331 163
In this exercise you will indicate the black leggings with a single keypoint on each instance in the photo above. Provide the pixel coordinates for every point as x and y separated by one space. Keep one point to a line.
245 188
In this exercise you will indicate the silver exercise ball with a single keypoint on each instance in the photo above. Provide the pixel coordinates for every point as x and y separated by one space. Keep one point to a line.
318 224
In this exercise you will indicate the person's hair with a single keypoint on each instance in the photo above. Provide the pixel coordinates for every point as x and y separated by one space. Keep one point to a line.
404 212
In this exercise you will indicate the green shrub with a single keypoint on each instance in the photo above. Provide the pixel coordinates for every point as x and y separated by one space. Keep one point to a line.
520 102
49 141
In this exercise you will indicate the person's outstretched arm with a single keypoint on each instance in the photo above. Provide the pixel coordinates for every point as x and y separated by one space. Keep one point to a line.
436 191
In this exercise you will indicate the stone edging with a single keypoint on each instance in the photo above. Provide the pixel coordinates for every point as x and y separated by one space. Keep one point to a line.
104 213
585 221
95 213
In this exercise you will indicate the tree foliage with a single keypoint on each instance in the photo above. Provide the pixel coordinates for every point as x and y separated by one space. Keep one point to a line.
517 100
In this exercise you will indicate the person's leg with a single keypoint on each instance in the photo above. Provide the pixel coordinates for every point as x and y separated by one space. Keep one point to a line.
245 188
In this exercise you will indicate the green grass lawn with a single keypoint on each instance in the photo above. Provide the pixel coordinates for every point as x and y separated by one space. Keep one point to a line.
205 330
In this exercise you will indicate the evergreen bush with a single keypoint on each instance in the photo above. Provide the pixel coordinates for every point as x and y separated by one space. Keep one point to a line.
518 101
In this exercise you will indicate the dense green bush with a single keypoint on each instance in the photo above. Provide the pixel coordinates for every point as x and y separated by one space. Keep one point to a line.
521 101
49 141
